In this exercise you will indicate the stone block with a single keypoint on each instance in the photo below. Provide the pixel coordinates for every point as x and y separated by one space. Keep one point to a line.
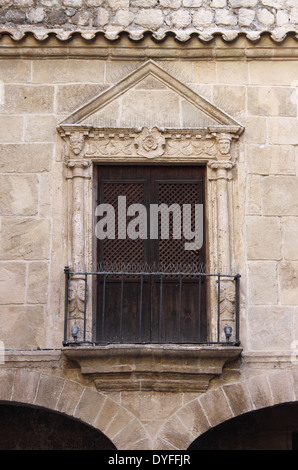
246 16
290 238
25 386
225 17
260 392
84 411
11 128
271 159
12 283
45 194
263 286
6 384
232 72
149 18
123 18
193 418
239 398
265 17
24 238
19 195
116 4
174 433
216 407
68 71
49 390
288 275
40 128
22 326
279 195
243 3
204 72
181 19
231 99
15 71
203 17
281 384
255 130
26 158
70 97
283 131
269 328
264 72
253 189
271 101
135 105
38 277
69 397
29 99
192 3
263 238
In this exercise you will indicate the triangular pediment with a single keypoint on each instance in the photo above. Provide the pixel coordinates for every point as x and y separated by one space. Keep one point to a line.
150 97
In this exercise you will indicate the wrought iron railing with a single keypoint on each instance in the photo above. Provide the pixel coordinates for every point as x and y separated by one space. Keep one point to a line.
88 307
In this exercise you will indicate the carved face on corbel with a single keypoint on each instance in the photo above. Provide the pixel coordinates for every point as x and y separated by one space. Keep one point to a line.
224 144
76 143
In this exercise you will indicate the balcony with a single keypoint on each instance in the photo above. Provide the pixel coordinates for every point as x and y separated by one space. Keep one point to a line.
151 330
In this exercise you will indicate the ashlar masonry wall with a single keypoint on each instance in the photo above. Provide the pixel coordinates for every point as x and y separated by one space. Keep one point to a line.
38 94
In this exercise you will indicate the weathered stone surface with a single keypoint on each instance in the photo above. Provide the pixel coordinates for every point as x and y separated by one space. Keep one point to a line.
279 197
68 71
253 195
28 99
49 390
263 285
11 128
290 239
281 385
270 328
288 274
19 195
83 410
282 131
23 158
25 238
271 159
272 101
12 283
23 326
263 238
40 128
216 407
239 398
37 291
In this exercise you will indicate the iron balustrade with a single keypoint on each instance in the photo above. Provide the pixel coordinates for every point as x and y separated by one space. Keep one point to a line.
75 325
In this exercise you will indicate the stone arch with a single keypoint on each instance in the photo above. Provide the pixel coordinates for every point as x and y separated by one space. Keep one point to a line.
225 402
77 401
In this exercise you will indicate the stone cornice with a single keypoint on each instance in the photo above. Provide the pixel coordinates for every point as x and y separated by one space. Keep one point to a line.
229 45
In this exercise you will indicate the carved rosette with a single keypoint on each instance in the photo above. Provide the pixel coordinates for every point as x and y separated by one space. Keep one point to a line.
150 143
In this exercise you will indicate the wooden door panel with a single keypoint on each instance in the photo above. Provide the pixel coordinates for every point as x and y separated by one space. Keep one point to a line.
142 309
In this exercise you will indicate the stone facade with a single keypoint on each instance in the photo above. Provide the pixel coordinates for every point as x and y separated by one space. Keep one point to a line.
57 86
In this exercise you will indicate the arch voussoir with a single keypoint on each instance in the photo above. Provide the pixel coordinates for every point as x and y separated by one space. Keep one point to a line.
226 402
76 401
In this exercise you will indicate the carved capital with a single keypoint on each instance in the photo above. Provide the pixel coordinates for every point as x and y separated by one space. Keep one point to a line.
78 168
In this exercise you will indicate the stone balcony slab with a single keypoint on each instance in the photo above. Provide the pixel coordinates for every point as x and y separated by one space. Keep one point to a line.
163 368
